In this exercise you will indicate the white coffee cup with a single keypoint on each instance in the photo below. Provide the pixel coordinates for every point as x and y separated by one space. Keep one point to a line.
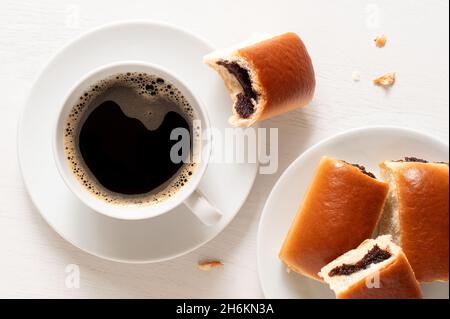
188 195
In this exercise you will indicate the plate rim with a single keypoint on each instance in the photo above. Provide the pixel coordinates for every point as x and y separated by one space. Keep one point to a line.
310 150
67 46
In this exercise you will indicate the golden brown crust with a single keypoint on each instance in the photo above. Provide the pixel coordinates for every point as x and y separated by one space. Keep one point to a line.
396 281
284 72
340 210
423 190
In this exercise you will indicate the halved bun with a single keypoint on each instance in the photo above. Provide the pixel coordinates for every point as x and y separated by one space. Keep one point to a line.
279 71
384 272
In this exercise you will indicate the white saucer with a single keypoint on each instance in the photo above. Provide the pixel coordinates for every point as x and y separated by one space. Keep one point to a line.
151 240
366 146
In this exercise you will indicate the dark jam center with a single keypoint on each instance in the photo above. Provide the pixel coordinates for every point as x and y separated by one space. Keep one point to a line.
374 256
417 160
241 75
362 169
412 160
244 105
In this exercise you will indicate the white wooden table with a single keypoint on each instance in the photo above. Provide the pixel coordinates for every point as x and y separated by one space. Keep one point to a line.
339 35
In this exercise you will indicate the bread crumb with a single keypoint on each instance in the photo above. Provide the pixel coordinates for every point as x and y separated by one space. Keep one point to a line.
209 265
380 41
356 76
288 270
386 80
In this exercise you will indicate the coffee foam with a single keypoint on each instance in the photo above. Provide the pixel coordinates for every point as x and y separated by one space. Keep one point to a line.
147 87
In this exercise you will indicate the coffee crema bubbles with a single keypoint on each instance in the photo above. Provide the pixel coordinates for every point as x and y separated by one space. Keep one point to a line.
116 139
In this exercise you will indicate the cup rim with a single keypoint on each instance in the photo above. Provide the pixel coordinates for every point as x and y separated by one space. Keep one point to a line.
132 211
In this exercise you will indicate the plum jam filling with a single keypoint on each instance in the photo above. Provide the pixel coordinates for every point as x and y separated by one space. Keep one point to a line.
417 160
374 256
412 160
362 169
244 105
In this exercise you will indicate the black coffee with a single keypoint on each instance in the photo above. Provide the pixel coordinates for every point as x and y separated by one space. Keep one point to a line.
117 138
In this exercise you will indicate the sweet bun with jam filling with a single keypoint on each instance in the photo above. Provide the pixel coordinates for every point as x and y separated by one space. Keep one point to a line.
341 209
266 78
377 269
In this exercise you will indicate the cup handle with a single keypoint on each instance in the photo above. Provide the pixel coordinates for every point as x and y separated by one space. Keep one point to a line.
200 206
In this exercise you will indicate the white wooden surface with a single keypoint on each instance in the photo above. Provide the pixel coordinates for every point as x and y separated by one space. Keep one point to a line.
339 36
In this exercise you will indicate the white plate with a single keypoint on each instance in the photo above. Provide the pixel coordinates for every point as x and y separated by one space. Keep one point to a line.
159 238
367 146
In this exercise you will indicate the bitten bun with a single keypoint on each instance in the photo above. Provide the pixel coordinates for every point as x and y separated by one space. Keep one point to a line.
377 269
266 78
416 214
341 209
